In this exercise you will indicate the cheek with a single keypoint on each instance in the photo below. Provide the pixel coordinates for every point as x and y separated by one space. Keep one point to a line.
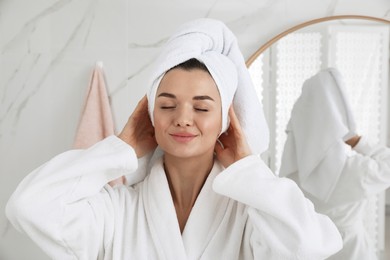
212 126
161 125
158 120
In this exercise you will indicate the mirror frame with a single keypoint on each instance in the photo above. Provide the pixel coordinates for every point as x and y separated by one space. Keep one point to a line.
265 46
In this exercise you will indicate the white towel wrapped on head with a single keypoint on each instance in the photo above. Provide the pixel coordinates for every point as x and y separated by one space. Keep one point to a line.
321 121
211 42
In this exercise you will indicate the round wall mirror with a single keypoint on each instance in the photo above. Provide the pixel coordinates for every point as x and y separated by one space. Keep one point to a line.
358 47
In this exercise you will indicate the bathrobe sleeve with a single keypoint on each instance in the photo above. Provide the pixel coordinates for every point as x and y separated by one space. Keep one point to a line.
65 205
365 173
285 224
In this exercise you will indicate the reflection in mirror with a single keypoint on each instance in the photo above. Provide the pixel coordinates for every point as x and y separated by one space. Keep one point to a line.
358 47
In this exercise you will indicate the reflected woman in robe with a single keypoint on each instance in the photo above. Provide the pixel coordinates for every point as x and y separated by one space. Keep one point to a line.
335 167
206 195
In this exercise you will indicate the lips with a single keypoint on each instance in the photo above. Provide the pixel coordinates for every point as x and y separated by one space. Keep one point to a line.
183 137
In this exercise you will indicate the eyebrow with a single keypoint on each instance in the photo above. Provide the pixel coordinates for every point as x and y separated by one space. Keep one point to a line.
169 95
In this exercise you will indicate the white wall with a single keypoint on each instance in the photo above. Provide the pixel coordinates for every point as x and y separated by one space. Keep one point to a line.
48 49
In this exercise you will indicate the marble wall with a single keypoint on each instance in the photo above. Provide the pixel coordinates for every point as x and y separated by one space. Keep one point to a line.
49 48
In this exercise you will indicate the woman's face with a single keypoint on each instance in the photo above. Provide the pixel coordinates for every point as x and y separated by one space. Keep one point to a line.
187 113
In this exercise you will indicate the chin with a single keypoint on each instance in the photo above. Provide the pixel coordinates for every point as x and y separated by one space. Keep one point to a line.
195 149
186 153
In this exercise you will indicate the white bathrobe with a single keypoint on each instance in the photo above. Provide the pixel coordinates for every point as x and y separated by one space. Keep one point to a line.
365 173
242 212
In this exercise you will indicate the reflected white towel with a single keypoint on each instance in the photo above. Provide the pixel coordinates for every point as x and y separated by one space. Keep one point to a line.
96 121
321 120
211 42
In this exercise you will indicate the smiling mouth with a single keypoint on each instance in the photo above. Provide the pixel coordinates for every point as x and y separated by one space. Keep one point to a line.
183 138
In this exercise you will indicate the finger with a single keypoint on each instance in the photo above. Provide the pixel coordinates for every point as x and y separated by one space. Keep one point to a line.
224 139
142 104
234 122
218 145
141 110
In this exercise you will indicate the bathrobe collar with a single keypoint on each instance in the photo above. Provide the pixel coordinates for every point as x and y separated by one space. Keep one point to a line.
205 217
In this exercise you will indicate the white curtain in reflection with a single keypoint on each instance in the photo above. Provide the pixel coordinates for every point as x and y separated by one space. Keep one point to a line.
360 53
297 57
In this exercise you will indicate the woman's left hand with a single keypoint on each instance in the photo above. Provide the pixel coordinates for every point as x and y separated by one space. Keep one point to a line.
353 141
233 145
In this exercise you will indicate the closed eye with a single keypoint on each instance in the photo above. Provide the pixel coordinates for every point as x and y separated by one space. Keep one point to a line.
201 109
167 107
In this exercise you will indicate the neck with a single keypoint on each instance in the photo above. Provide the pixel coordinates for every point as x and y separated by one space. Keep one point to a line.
186 178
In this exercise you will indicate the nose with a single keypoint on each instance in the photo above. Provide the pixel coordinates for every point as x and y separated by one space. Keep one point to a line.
184 117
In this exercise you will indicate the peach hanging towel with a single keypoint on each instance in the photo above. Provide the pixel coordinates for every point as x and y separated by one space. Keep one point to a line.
96 121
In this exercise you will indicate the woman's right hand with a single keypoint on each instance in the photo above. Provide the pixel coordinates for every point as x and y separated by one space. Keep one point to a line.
139 131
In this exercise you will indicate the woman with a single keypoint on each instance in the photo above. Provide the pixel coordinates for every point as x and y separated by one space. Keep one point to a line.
203 196
338 170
